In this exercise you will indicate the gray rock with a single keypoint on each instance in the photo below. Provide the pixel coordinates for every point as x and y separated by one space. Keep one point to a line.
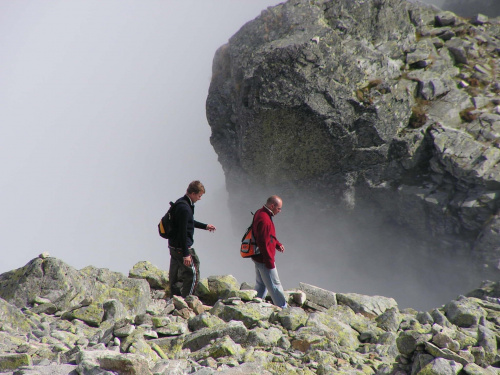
487 339
234 329
12 319
319 296
445 354
113 310
441 366
264 337
389 320
64 369
204 320
217 287
345 337
473 369
362 111
408 341
479 19
172 329
172 367
157 279
464 312
446 19
292 318
51 277
366 305
458 48
325 325
250 314
14 361
89 361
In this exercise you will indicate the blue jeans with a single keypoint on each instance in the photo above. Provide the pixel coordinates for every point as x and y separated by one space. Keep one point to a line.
268 280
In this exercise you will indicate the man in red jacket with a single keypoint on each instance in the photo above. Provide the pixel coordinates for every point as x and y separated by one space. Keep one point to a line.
267 278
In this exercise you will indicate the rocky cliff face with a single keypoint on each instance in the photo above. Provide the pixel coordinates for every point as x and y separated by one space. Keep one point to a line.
383 111
55 320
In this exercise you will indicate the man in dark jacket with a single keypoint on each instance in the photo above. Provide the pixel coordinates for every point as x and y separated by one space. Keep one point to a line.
184 263
267 278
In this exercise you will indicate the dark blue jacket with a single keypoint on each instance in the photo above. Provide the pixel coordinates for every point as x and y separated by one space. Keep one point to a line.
184 224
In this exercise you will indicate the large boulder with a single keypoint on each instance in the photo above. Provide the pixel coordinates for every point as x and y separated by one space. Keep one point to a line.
384 109
82 294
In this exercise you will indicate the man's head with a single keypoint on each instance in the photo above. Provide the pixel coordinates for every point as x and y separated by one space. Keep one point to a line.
274 203
195 191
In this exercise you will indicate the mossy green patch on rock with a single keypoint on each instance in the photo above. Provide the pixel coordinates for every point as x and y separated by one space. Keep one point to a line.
249 313
204 320
134 294
92 314
284 368
14 361
299 144
245 295
156 277
142 348
171 346
225 347
12 319
336 330
218 287
292 318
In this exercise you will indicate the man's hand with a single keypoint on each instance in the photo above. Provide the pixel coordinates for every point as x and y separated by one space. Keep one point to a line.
187 260
280 248
211 228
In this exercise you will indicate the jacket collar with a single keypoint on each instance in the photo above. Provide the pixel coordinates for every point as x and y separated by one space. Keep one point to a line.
268 210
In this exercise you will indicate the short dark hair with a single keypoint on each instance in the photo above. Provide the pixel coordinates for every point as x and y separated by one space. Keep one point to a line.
195 187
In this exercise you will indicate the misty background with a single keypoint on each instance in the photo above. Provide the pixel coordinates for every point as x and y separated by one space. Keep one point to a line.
102 113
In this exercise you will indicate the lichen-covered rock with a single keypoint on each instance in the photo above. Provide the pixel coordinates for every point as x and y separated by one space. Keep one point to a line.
204 320
14 361
389 320
292 318
441 366
366 305
408 341
172 329
352 337
104 285
336 330
49 278
157 278
390 118
447 354
264 337
250 314
12 319
318 296
92 314
82 293
170 346
234 329
92 361
222 347
464 312
244 295
216 287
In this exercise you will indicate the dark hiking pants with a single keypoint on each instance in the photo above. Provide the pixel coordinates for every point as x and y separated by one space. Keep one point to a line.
178 272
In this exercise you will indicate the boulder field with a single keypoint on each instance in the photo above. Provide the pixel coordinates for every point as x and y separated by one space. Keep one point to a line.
55 319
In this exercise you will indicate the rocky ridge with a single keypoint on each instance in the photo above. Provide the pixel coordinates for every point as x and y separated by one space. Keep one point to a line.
57 320
388 110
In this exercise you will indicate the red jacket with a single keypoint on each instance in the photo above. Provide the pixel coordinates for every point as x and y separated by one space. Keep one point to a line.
265 236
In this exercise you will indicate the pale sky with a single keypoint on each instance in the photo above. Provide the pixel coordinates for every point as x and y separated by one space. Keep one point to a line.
102 113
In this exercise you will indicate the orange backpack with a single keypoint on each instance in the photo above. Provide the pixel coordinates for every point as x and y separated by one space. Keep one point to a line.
248 244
